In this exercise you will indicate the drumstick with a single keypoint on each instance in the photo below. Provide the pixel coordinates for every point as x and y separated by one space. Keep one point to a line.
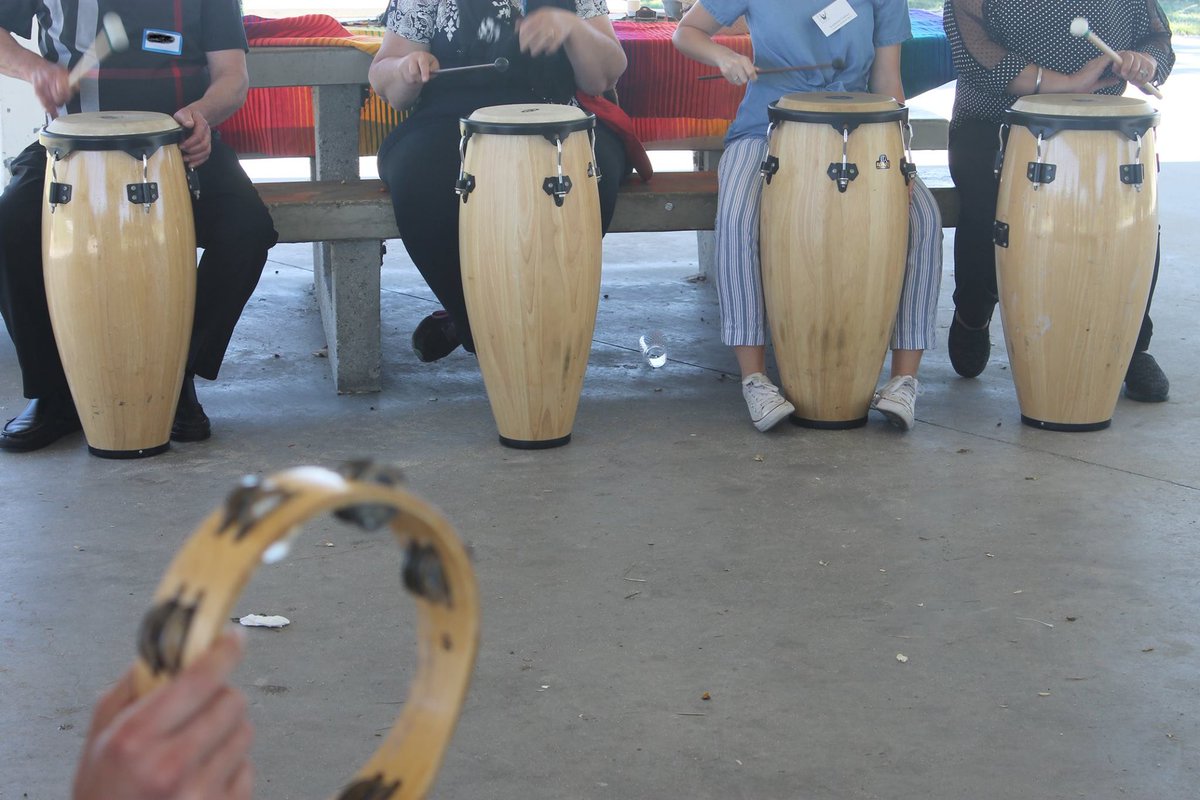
500 65
114 40
1080 28
837 63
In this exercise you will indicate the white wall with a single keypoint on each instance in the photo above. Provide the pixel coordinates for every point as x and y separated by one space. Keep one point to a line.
20 115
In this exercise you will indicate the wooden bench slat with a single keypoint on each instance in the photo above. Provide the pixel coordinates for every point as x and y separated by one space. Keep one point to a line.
349 210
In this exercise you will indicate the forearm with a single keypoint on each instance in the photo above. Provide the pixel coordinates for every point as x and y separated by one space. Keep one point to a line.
225 95
885 73
698 45
596 58
16 61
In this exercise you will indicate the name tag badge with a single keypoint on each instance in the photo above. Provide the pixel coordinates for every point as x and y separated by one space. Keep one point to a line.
167 42
834 17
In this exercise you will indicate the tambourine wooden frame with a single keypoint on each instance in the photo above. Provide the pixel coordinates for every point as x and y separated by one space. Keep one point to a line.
197 594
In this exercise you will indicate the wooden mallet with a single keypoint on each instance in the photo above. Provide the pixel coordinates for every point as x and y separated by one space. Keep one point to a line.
112 40
1080 28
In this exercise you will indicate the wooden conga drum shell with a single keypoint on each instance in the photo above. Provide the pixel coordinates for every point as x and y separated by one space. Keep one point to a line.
197 594
120 275
832 260
531 267
1075 254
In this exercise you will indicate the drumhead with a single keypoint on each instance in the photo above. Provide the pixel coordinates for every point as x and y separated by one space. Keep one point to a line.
1047 115
111 123
523 119
135 132
839 109
838 102
1083 105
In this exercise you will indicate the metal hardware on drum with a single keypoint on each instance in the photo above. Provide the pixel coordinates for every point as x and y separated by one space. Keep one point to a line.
500 65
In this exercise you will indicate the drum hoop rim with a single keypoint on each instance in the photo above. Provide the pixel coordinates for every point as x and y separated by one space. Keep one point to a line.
1048 125
135 144
837 119
473 126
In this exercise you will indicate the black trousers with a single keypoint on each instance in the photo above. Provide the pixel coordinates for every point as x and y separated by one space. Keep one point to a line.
973 148
232 225
419 163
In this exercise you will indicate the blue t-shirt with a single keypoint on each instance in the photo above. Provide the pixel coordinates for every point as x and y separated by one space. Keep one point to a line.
784 34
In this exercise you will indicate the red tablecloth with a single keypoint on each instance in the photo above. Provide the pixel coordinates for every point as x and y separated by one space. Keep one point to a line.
660 90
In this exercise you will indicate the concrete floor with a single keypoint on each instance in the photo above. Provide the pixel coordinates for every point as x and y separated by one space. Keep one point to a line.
1043 586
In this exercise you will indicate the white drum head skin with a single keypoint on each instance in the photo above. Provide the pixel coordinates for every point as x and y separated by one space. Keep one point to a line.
1083 105
527 113
839 102
112 123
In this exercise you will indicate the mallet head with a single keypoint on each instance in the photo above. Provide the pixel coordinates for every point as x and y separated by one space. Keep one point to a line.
1079 27
114 29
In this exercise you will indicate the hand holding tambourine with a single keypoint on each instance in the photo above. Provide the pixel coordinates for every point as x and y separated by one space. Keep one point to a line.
198 591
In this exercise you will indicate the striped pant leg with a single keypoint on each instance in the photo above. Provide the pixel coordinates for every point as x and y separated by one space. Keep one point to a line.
916 319
739 280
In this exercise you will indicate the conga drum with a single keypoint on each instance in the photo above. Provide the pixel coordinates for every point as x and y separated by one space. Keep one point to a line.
1076 233
119 255
256 524
832 239
529 239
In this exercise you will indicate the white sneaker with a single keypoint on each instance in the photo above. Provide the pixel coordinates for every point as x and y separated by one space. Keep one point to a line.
897 401
767 406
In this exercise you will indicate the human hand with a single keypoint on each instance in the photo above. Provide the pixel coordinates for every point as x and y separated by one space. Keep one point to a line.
187 740
737 68
546 30
197 147
49 83
1137 68
417 67
1092 78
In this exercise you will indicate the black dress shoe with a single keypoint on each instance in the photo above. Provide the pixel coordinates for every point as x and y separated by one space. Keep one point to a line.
191 423
969 348
1145 381
42 423
435 337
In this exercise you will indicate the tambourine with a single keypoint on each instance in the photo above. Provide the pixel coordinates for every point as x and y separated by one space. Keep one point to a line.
196 596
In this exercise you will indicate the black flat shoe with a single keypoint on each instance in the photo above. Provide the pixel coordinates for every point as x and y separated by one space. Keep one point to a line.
969 348
42 423
435 337
191 423
1145 381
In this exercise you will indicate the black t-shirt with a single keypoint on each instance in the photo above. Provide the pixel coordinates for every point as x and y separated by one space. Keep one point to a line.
166 65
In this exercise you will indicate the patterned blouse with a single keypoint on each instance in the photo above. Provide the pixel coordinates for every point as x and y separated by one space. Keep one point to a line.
421 20
993 40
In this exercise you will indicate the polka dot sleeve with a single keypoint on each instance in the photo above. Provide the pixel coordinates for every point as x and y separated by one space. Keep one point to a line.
979 60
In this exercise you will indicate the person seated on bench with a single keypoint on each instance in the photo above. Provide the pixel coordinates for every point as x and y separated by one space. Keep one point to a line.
869 46
558 47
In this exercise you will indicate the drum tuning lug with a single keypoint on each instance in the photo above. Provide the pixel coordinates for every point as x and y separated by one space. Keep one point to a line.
464 186
1133 175
423 574
193 182
908 170
769 167
1000 233
370 789
842 174
558 188
1039 172
60 194
142 194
